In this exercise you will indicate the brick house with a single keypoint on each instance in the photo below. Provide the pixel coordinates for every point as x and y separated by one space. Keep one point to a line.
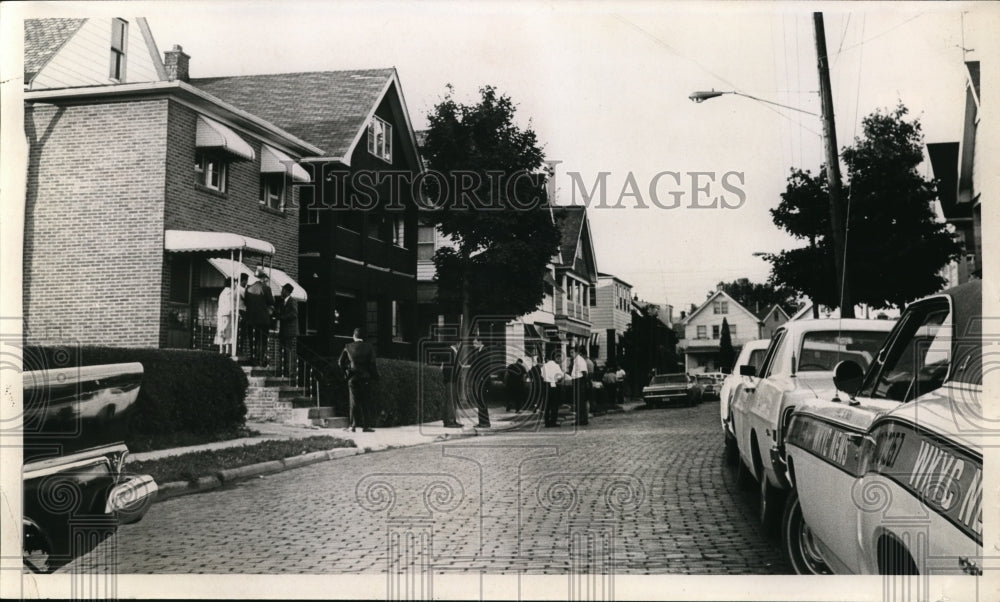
610 315
357 231
136 182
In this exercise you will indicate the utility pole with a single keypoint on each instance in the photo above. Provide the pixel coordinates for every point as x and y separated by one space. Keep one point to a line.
837 223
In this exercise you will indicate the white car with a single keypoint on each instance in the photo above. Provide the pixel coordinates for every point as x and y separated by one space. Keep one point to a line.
797 367
752 354
890 480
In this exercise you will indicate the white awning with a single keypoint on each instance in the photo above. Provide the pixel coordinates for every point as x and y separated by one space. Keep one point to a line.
189 240
233 269
273 160
212 134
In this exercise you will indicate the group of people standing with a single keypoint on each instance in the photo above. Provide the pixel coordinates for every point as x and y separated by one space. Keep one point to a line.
542 387
258 310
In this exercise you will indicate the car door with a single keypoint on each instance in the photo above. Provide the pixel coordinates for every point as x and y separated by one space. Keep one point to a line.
744 398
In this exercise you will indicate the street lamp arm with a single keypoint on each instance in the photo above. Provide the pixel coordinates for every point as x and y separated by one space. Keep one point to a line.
702 96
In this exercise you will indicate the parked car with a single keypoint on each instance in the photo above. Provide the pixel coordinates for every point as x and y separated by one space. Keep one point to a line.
76 491
889 480
798 366
709 386
670 388
752 354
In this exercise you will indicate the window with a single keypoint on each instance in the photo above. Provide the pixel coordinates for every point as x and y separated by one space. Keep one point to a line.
918 358
716 329
732 330
720 307
272 191
400 314
180 280
376 226
399 230
569 291
210 170
593 297
380 139
371 319
119 36
701 332
347 313
823 350
425 243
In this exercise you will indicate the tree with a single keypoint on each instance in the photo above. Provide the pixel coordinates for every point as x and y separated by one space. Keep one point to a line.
727 355
648 344
488 189
895 246
760 297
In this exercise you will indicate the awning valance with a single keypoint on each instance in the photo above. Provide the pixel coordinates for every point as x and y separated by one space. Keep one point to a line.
212 134
232 270
189 240
273 160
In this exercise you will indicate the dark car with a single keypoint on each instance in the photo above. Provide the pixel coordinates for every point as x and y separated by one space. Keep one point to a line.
76 491
664 389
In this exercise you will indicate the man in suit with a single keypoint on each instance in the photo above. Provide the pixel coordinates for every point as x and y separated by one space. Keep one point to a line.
358 363
259 302
287 310
449 371
476 380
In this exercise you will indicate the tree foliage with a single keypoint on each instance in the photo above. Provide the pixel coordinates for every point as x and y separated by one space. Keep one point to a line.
648 344
489 189
727 355
895 245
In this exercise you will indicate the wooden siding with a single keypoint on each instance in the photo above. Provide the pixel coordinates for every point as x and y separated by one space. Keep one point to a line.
85 59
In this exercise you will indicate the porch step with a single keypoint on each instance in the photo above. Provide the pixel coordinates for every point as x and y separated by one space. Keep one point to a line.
322 417
302 401
290 392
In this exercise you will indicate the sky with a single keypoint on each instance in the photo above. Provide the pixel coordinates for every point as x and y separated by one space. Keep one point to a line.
605 86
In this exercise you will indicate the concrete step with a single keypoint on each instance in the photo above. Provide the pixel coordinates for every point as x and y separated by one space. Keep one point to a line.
301 401
322 417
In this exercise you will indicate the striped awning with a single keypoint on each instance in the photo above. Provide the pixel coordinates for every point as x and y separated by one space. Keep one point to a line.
232 270
273 160
212 134
190 240
594 338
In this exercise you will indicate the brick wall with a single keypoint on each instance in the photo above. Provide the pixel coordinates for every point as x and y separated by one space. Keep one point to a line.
190 207
93 244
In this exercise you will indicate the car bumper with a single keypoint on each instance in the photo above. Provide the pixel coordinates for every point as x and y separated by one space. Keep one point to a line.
780 467
131 497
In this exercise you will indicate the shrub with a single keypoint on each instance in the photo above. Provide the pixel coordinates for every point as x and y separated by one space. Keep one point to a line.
183 391
403 389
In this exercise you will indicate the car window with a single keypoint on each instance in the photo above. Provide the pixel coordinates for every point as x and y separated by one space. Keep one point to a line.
775 351
756 357
663 379
918 358
823 350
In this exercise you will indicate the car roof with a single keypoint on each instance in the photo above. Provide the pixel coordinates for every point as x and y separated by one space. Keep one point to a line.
838 324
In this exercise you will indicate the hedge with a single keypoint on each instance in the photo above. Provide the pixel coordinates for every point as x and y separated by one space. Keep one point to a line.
200 393
404 387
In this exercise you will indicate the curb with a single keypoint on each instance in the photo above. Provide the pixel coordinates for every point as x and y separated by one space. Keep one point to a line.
174 489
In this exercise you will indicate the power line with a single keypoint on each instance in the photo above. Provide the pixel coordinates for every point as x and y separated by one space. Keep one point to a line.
879 35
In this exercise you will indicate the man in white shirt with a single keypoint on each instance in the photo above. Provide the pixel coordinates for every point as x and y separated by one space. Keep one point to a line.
580 377
552 373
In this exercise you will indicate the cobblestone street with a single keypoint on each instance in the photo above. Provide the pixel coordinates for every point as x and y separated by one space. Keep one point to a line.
646 492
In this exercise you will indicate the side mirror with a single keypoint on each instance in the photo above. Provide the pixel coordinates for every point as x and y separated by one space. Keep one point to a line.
748 370
847 377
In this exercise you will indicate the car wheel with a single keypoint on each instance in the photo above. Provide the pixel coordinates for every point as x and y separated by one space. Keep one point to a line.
769 510
743 475
732 452
798 542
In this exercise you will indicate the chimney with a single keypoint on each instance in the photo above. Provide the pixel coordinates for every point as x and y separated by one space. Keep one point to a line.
176 63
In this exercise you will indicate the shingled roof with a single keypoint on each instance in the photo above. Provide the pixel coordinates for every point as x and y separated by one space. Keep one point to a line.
42 39
326 108
569 219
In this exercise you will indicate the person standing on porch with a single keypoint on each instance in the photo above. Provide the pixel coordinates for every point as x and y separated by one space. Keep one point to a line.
259 301
287 310
224 318
357 360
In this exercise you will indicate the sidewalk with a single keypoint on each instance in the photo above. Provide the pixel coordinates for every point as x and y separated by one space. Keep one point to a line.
382 438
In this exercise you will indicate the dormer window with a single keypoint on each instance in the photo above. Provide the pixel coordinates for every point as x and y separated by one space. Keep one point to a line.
380 139
119 36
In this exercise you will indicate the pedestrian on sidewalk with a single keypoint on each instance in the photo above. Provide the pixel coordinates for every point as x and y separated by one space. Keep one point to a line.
476 381
449 372
287 310
536 385
552 374
260 304
514 385
357 360
580 378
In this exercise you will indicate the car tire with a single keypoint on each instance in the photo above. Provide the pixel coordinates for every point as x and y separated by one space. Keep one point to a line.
732 451
797 541
743 475
770 508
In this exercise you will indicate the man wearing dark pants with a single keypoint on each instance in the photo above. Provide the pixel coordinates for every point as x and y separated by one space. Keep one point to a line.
581 378
552 374
448 373
475 381
358 363
288 328
260 304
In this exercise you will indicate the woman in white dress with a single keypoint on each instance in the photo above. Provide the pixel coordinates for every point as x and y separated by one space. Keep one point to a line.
224 319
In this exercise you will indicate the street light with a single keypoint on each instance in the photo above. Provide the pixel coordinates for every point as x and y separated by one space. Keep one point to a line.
702 96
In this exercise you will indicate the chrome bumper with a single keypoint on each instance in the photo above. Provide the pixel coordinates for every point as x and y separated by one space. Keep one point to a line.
130 498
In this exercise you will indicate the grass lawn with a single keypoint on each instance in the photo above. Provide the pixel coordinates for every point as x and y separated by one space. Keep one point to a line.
191 466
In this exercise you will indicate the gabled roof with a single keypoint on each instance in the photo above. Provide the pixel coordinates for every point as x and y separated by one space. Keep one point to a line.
330 109
574 228
774 308
712 298
42 40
